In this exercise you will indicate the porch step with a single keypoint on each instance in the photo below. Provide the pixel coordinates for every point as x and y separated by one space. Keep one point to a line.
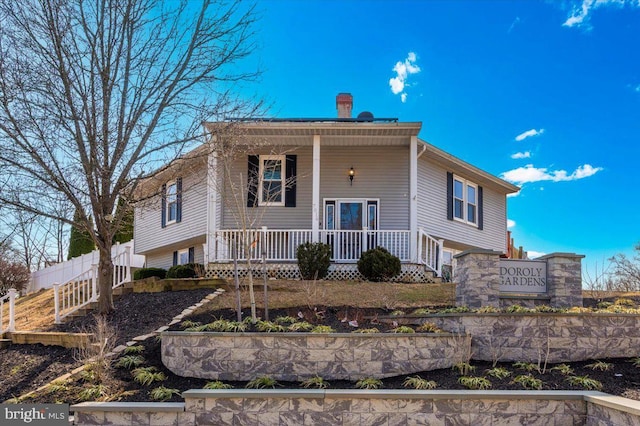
49 338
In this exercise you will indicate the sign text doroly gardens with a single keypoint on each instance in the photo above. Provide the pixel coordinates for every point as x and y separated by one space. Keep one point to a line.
523 276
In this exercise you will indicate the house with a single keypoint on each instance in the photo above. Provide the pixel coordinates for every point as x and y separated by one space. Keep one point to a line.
262 187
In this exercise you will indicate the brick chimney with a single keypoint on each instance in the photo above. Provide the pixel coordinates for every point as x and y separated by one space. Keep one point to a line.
344 103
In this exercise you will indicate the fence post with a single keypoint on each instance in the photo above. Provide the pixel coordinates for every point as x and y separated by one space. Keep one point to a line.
127 255
94 283
56 301
12 308
440 257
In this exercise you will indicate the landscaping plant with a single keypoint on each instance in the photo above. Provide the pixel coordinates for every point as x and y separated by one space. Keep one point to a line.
313 260
147 375
162 393
498 372
527 381
262 382
316 382
585 382
142 273
418 383
378 264
475 383
130 361
217 384
369 383
600 366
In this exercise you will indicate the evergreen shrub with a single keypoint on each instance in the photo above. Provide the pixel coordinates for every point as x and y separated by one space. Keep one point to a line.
142 273
188 270
313 260
378 264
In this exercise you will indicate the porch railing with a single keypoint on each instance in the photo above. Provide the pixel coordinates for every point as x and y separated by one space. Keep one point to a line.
281 245
430 252
7 311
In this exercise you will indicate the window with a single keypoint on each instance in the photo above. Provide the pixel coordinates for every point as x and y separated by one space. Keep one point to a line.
183 257
272 180
465 201
171 202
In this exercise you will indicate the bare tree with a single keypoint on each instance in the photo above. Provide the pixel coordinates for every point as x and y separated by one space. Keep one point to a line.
625 271
95 94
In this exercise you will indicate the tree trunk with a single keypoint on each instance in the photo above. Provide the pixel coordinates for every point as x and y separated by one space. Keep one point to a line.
105 280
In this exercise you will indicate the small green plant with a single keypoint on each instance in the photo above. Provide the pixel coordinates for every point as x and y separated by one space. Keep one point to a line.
262 382
147 375
546 309
418 383
527 381
313 260
422 311
130 361
189 324
498 372
487 310
217 384
463 368
403 329
526 366
162 393
397 313
563 369
316 382
604 305
378 264
270 327
621 301
475 383
92 392
142 273
366 330
369 383
58 386
236 327
585 382
635 362
300 326
285 320
428 327
133 350
518 309
600 366
322 329
198 328
455 310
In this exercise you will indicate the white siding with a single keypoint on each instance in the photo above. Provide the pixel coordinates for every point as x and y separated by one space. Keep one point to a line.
164 259
148 232
432 212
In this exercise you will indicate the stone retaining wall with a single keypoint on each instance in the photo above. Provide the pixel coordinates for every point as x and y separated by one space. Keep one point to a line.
353 407
526 337
298 356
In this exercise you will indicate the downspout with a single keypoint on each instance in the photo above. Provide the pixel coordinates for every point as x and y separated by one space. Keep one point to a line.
424 148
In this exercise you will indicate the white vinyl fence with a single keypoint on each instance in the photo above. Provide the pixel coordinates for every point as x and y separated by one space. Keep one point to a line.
65 271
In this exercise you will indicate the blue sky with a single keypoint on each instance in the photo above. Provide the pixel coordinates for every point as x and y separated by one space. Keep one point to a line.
544 94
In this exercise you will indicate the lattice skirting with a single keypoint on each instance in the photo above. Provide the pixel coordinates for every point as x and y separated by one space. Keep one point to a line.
410 273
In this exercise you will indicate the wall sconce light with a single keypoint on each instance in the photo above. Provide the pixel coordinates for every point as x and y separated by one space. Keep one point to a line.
352 173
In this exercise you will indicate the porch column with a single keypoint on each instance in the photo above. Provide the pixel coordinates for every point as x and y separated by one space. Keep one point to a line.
315 191
413 199
212 204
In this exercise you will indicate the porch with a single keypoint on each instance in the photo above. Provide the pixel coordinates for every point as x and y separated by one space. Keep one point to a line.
280 246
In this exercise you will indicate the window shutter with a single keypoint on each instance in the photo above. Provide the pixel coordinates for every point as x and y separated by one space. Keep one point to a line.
179 199
290 176
253 168
163 207
480 208
175 258
192 254
449 195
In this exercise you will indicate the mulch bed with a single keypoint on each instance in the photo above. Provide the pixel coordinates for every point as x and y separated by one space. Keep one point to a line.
25 367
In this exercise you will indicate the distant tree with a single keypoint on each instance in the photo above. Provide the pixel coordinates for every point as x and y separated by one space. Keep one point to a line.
80 240
625 271
95 94
124 211
13 274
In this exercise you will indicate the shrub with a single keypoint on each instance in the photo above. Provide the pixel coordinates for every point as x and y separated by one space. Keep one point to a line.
527 381
316 382
498 372
217 384
475 383
378 264
585 382
369 383
262 382
142 273
313 260
417 382
130 361
188 270
162 393
600 365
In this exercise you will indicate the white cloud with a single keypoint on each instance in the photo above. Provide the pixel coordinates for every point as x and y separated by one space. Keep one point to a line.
637 89
519 155
513 24
529 133
511 223
529 174
534 254
580 13
403 69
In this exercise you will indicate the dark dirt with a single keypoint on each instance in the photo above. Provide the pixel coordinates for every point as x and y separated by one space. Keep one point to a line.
24 368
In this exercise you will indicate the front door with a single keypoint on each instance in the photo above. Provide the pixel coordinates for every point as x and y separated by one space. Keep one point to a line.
348 219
